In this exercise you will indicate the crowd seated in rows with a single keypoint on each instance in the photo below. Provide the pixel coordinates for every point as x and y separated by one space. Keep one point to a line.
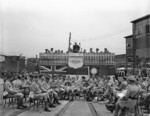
52 89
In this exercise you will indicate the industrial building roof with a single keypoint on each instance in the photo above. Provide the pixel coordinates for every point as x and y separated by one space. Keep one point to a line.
141 18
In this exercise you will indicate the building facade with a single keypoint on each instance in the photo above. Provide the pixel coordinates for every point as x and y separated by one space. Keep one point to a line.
138 44
12 63
141 40
129 51
120 60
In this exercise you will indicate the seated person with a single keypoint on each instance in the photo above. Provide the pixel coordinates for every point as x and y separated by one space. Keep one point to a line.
123 84
67 89
146 100
37 93
17 82
14 93
46 88
129 100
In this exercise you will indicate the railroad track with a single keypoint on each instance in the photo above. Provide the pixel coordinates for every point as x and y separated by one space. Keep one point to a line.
58 114
63 110
91 107
93 110
21 111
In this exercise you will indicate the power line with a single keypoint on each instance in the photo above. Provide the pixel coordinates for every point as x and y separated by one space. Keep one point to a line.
104 36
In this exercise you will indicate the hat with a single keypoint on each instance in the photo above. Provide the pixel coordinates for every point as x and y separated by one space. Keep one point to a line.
131 78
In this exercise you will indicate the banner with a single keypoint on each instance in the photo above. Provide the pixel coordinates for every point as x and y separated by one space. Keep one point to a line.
75 60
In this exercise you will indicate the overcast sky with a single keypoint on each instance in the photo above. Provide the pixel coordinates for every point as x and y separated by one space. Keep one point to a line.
31 26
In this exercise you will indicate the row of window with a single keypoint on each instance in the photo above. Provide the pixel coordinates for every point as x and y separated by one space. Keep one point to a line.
142 30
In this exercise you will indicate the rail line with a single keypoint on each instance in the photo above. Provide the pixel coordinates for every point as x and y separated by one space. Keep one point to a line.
64 109
21 111
93 110
60 113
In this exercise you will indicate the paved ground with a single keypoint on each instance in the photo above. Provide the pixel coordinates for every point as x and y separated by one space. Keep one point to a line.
9 111
101 110
76 108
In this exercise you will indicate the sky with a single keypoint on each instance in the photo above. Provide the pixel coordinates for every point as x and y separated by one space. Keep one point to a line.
31 26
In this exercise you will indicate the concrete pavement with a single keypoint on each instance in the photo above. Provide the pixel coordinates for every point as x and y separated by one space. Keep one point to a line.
53 112
9 111
76 108
102 111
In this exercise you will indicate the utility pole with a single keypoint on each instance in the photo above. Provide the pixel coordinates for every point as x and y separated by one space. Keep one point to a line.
69 42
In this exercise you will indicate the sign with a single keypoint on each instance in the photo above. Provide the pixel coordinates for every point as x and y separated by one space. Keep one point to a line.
75 60
93 71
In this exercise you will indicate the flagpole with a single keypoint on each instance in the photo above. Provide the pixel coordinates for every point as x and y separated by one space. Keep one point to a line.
69 42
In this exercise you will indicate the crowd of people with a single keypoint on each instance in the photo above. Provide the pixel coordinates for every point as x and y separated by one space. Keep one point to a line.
52 89
130 93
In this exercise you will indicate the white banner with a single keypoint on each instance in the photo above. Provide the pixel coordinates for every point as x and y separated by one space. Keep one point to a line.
75 60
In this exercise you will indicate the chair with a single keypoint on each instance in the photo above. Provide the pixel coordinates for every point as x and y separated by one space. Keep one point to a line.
36 102
11 100
26 91
137 108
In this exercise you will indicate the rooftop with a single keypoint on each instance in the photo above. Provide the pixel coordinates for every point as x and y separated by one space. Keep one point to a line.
141 18
129 36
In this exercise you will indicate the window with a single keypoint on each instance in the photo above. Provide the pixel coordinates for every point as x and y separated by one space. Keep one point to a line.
147 29
137 32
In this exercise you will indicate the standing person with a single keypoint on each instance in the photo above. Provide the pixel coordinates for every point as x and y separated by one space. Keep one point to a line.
14 93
